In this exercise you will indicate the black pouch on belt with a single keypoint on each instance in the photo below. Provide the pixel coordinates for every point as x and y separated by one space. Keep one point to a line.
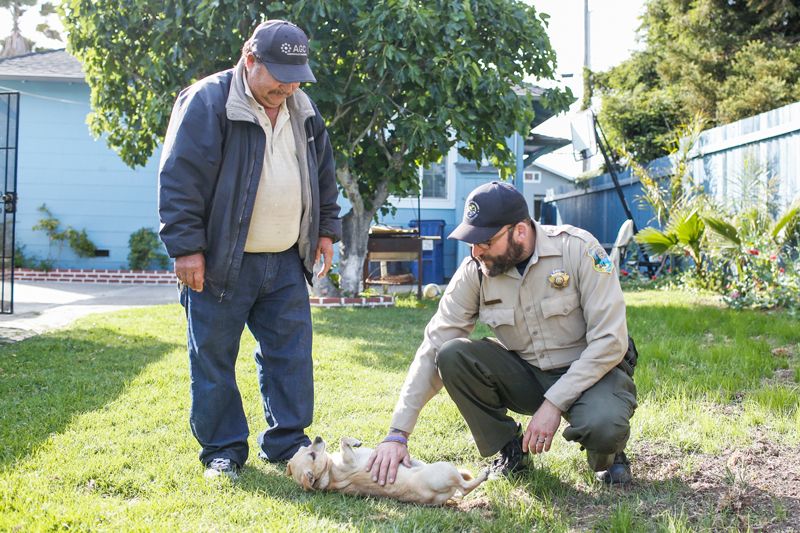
628 363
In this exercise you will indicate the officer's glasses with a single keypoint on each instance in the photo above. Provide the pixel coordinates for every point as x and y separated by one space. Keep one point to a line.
488 244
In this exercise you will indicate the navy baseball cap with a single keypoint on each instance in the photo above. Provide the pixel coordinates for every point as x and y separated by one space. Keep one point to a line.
488 208
283 48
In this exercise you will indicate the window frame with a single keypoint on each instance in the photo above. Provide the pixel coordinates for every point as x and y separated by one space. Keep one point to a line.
410 202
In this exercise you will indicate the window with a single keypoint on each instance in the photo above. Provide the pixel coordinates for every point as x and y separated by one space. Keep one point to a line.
434 180
437 184
531 176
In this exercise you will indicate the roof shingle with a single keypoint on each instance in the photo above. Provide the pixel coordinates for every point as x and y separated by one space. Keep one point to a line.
50 65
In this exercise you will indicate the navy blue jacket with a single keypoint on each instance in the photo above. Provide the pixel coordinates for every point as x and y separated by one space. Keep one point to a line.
210 170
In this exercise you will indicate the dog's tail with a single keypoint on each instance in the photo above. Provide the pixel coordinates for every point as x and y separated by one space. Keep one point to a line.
469 483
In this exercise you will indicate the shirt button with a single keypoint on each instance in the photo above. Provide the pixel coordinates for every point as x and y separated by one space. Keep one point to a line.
535 333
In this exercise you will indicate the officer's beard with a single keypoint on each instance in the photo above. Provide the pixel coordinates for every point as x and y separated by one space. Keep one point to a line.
495 265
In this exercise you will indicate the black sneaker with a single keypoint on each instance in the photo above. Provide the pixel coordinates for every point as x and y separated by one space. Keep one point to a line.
222 466
618 473
512 459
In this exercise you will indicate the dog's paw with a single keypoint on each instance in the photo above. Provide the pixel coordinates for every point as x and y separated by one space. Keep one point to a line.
350 441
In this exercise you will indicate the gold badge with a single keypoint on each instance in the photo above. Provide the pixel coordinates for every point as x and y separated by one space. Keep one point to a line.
558 279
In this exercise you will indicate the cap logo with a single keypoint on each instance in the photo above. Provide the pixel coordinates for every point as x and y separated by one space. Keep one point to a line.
472 210
294 50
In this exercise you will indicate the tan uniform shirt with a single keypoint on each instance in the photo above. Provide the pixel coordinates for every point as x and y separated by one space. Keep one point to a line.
275 225
548 321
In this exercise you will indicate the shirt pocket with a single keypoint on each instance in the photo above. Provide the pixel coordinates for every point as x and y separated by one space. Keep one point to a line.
503 324
563 320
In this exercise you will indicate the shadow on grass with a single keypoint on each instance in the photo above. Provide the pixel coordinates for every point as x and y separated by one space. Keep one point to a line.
707 351
699 350
476 512
389 336
46 380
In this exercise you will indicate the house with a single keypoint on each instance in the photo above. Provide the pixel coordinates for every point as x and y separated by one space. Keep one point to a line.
539 180
85 185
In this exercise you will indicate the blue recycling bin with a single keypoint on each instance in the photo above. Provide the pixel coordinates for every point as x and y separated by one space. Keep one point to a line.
432 250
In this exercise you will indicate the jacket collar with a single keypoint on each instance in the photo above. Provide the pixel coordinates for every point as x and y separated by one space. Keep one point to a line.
238 108
544 246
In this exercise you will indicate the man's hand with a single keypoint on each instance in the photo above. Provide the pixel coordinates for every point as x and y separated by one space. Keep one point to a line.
386 459
324 248
191 270
540 431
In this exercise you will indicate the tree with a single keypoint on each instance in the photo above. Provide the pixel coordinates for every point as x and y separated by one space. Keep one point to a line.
400 81
722 59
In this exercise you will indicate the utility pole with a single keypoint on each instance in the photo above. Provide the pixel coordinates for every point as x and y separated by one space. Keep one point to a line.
586 67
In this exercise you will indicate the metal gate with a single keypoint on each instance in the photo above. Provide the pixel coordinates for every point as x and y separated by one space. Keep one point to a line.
9 135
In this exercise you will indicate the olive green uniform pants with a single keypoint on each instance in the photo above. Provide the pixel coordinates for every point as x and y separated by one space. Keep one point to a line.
485 380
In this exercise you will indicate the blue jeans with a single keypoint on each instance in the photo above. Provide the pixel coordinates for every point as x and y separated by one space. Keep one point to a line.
271 298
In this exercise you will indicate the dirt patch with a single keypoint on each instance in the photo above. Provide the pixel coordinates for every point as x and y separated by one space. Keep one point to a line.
482 504
758 486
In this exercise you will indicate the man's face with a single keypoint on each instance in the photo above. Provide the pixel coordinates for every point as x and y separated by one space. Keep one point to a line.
500 256
267 91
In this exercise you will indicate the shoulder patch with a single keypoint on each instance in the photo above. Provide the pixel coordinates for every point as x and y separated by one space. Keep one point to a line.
600 260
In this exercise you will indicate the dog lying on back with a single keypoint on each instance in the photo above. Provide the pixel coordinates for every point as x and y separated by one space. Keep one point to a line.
428 484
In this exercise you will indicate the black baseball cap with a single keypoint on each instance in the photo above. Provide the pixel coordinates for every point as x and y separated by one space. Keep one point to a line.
487 209
283 48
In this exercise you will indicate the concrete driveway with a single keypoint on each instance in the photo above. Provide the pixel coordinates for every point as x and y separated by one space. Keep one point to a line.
42 306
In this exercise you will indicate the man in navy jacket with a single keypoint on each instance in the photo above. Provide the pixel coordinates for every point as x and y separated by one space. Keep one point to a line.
247 201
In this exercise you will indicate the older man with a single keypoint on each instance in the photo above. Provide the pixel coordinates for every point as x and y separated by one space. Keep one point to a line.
551 297
247 200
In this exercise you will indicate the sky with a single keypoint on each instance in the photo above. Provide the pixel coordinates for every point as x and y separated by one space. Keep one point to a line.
27 26
613 25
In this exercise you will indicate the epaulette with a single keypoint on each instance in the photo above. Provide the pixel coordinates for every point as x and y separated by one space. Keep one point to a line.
582 234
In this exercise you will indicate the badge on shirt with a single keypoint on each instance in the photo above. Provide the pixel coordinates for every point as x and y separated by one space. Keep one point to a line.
558 279
600 260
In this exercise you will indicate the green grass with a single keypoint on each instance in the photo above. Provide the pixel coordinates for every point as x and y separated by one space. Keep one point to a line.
94 431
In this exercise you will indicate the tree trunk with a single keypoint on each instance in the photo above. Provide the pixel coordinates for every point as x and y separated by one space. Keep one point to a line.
353 250
355 229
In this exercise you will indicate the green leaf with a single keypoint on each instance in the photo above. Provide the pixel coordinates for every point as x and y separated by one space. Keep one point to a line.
724 229
656 241
786 219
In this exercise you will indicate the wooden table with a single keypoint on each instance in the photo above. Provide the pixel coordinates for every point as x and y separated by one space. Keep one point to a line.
400 245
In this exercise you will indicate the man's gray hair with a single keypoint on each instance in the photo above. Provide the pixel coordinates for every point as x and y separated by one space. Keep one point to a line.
248 48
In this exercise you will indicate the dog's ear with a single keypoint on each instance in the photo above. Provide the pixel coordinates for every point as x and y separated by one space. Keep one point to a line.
308 480
288 469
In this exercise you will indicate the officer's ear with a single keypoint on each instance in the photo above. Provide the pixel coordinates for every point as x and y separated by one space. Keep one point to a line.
522 230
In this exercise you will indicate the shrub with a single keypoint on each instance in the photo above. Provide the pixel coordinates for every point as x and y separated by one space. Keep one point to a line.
23 260
145 250
78 240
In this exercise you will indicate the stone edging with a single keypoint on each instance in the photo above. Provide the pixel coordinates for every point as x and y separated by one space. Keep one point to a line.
167 277
368 301
97 275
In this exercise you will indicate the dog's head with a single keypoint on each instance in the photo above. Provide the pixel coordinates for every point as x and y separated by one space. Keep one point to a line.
310 466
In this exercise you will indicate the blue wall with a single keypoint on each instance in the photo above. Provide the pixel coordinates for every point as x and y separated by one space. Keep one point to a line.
83 183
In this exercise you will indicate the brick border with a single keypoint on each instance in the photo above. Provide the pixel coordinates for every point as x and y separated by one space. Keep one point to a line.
167 277
367 301
96 275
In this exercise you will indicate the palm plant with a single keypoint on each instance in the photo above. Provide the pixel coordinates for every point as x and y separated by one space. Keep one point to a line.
683 234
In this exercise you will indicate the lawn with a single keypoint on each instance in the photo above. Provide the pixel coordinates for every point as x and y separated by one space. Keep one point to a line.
95 435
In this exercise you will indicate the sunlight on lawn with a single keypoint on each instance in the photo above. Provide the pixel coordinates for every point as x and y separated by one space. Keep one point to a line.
95 425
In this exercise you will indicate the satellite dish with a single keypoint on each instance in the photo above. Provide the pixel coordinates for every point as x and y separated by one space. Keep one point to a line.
584 140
